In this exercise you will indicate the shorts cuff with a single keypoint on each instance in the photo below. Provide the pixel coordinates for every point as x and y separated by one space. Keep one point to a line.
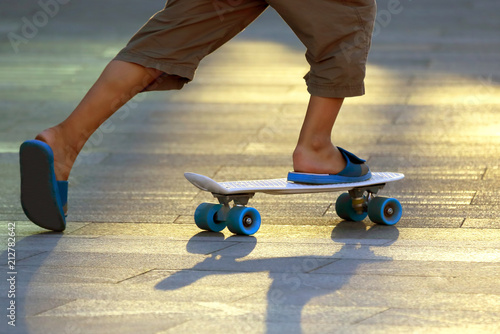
336 91
174 77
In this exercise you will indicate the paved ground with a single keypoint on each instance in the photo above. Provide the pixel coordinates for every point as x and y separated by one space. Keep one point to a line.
132 260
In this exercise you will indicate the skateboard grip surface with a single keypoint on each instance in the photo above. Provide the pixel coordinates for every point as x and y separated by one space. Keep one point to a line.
282 186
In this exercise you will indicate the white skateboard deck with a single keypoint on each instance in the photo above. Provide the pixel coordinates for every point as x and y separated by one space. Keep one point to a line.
282 186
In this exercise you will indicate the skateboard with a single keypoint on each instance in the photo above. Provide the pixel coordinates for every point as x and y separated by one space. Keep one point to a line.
356 204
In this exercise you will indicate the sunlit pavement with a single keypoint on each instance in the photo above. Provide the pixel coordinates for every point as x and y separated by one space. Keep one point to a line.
132 259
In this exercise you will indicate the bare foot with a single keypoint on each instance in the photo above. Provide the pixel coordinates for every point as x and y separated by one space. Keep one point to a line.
64 155
319 160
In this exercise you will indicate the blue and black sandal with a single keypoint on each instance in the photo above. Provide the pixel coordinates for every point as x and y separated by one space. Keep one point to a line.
43 198
355 171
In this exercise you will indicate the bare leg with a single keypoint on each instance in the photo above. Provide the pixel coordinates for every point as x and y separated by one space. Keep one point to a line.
315 152
119 82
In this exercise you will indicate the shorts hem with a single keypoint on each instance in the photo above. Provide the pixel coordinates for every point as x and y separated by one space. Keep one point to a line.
336 91
174 77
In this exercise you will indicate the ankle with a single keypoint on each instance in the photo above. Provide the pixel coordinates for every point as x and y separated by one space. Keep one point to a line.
316 143
50 136
317 146
325 159
64 153
72 137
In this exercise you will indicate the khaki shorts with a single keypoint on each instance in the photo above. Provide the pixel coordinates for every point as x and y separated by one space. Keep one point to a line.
336 33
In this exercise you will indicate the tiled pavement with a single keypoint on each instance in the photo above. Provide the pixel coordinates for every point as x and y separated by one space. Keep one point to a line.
132 260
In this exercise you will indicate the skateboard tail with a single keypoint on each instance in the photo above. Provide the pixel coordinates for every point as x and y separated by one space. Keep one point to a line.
205 183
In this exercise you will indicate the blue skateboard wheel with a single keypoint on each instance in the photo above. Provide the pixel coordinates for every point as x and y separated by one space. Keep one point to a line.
385 211
243 220
344 209
206 219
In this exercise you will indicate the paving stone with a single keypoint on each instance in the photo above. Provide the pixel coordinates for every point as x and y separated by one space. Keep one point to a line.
481 223
434 317
127 324
409 268
29 230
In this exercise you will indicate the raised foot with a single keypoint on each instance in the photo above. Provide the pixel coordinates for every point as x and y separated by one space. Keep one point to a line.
64 155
